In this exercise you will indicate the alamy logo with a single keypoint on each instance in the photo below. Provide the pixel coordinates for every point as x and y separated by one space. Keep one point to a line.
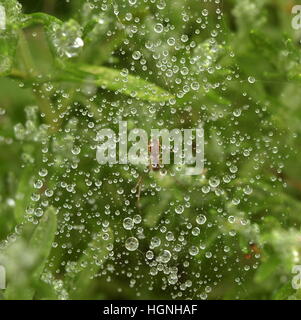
296 21
2 18
2 278
296 281
186 145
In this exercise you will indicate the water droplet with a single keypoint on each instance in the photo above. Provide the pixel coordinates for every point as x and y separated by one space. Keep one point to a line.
38 184
132 244
251 80
161 4
128 223
158 28
43 172
155 242
66 38
179 209
149 255
201 219
205 12
136 55
214 182
164 256
76 150
193 250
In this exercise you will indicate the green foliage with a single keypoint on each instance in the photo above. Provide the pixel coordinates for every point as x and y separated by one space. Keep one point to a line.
119 81
232 232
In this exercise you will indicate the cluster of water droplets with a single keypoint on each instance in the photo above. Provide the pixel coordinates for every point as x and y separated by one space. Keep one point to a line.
157 230
66 38
10 14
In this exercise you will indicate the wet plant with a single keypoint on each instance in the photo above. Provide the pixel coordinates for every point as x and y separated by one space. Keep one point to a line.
72 228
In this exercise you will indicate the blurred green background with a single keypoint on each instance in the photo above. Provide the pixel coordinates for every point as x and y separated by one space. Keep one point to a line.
231 66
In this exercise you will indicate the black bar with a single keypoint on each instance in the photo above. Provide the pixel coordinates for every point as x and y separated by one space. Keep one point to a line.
152 309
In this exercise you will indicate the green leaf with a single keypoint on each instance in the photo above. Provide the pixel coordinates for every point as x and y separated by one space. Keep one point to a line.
267 269
43 238
268 47
90 262
9 35
25 260
8 44
19 262
117 80
285 292
39 18
23 194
